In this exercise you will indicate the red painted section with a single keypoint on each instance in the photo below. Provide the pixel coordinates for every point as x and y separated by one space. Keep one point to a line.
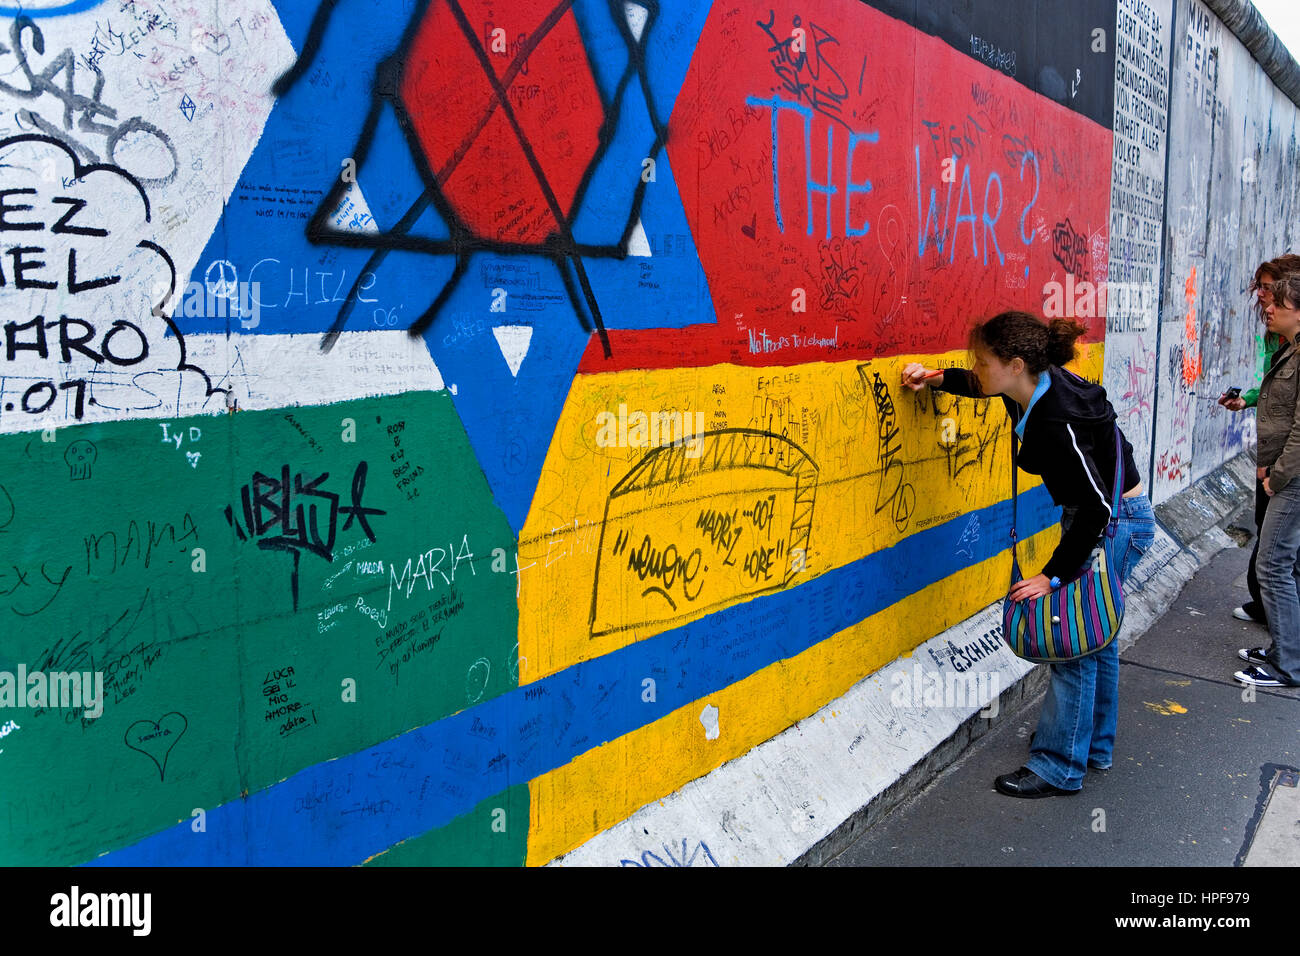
468 141
867 100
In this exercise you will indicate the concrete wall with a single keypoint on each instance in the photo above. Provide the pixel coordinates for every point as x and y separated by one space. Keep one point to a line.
1232 189
346 354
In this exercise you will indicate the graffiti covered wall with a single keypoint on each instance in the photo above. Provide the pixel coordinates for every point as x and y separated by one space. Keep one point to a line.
1231 203
446 427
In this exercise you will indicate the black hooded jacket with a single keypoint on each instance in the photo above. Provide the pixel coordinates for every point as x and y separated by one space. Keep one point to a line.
1070 442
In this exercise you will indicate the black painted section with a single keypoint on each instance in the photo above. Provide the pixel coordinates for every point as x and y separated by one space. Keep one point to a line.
1047 47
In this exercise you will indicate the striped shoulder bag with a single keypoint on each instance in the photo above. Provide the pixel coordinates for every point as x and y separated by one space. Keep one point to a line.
1081 616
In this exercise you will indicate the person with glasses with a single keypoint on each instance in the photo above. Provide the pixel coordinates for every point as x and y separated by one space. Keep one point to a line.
1262 286
1278 458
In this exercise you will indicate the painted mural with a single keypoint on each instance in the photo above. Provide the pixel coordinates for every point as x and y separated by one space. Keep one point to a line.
440 428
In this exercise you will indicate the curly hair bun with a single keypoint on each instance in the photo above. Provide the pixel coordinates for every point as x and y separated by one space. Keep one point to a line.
1015 334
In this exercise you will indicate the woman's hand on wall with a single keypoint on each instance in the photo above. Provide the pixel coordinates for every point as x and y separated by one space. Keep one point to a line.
1033 587
916 376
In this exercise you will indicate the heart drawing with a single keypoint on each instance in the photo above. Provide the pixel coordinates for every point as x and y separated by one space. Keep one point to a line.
155 739
217 43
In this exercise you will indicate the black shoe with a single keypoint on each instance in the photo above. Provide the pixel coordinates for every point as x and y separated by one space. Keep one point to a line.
1252 655
1025 783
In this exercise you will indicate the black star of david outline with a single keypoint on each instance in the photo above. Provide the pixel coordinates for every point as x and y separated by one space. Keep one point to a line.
561 248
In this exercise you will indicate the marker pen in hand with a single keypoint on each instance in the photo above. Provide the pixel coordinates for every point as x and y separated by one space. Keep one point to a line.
918 377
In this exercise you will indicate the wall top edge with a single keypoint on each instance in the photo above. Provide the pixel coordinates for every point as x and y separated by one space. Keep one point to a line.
1250 27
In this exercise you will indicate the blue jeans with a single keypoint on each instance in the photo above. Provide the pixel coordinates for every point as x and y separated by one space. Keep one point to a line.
1076 728
1279 580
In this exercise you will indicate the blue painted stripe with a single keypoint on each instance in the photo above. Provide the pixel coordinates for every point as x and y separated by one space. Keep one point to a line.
345 810
62 10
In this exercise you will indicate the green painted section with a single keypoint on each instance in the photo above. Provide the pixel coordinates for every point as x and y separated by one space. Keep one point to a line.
214 684
494 833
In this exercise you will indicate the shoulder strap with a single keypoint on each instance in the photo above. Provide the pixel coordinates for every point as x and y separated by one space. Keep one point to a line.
1281 355
1015 557
1117 491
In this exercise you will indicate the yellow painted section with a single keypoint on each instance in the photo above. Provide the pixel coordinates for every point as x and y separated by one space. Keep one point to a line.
848 462
606 785
625 542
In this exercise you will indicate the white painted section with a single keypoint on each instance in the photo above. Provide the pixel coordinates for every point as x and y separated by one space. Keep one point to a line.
260 372
636 19
772 804
142 223
353 212
637 243
210 97
360 364
709 719
513 340
1135 258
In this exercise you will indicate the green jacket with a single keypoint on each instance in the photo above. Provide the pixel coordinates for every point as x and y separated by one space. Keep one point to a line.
1271 344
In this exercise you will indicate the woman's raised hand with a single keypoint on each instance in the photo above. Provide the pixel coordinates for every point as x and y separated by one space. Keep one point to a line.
917 376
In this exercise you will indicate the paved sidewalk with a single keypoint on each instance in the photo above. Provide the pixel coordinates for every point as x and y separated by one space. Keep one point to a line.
1200 775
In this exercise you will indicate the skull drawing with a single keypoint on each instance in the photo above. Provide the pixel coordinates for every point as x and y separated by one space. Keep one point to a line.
81 454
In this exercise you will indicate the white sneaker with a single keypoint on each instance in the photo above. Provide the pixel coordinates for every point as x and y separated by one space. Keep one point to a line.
1241 614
